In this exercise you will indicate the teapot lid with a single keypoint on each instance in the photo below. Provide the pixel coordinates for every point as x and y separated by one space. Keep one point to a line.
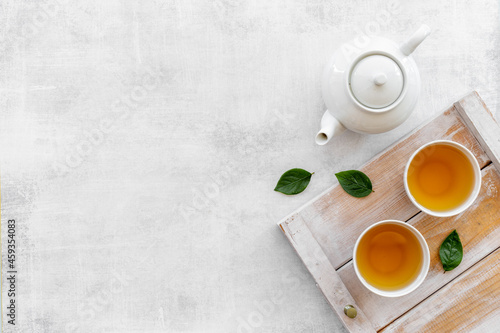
376 81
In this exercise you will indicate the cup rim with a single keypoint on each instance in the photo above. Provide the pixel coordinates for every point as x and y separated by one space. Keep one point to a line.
423 270
472 196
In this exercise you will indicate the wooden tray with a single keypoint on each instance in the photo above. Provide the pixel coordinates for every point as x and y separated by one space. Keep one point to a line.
323 233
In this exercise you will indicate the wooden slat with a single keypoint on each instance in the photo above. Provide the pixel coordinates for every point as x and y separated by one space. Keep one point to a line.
471 303
336 219
324 274
479 230
482 125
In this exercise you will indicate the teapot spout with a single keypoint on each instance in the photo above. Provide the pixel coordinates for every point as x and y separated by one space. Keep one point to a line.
414 41
330 127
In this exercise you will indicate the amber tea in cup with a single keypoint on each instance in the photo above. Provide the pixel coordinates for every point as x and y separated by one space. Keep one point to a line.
391 258
442 178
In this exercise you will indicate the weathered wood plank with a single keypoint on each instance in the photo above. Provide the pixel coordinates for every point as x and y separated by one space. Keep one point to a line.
479 230
482 125
324 274
471 303
336 219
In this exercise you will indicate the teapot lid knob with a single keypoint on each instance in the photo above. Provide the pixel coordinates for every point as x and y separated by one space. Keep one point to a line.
380 79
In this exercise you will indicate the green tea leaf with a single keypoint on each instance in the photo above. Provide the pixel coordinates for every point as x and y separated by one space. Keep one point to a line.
451 251
293 181
355 183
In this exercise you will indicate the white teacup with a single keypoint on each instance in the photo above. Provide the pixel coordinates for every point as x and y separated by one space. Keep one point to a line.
427 150
420 269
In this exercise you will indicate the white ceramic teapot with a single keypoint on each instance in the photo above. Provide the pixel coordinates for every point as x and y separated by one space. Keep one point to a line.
371 88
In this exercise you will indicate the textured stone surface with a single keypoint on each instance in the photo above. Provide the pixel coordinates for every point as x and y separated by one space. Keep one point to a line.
141 142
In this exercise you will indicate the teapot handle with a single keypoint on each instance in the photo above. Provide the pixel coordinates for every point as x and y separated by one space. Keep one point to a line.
414 41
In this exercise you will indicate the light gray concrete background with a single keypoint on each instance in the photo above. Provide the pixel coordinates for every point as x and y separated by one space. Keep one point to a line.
141 142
